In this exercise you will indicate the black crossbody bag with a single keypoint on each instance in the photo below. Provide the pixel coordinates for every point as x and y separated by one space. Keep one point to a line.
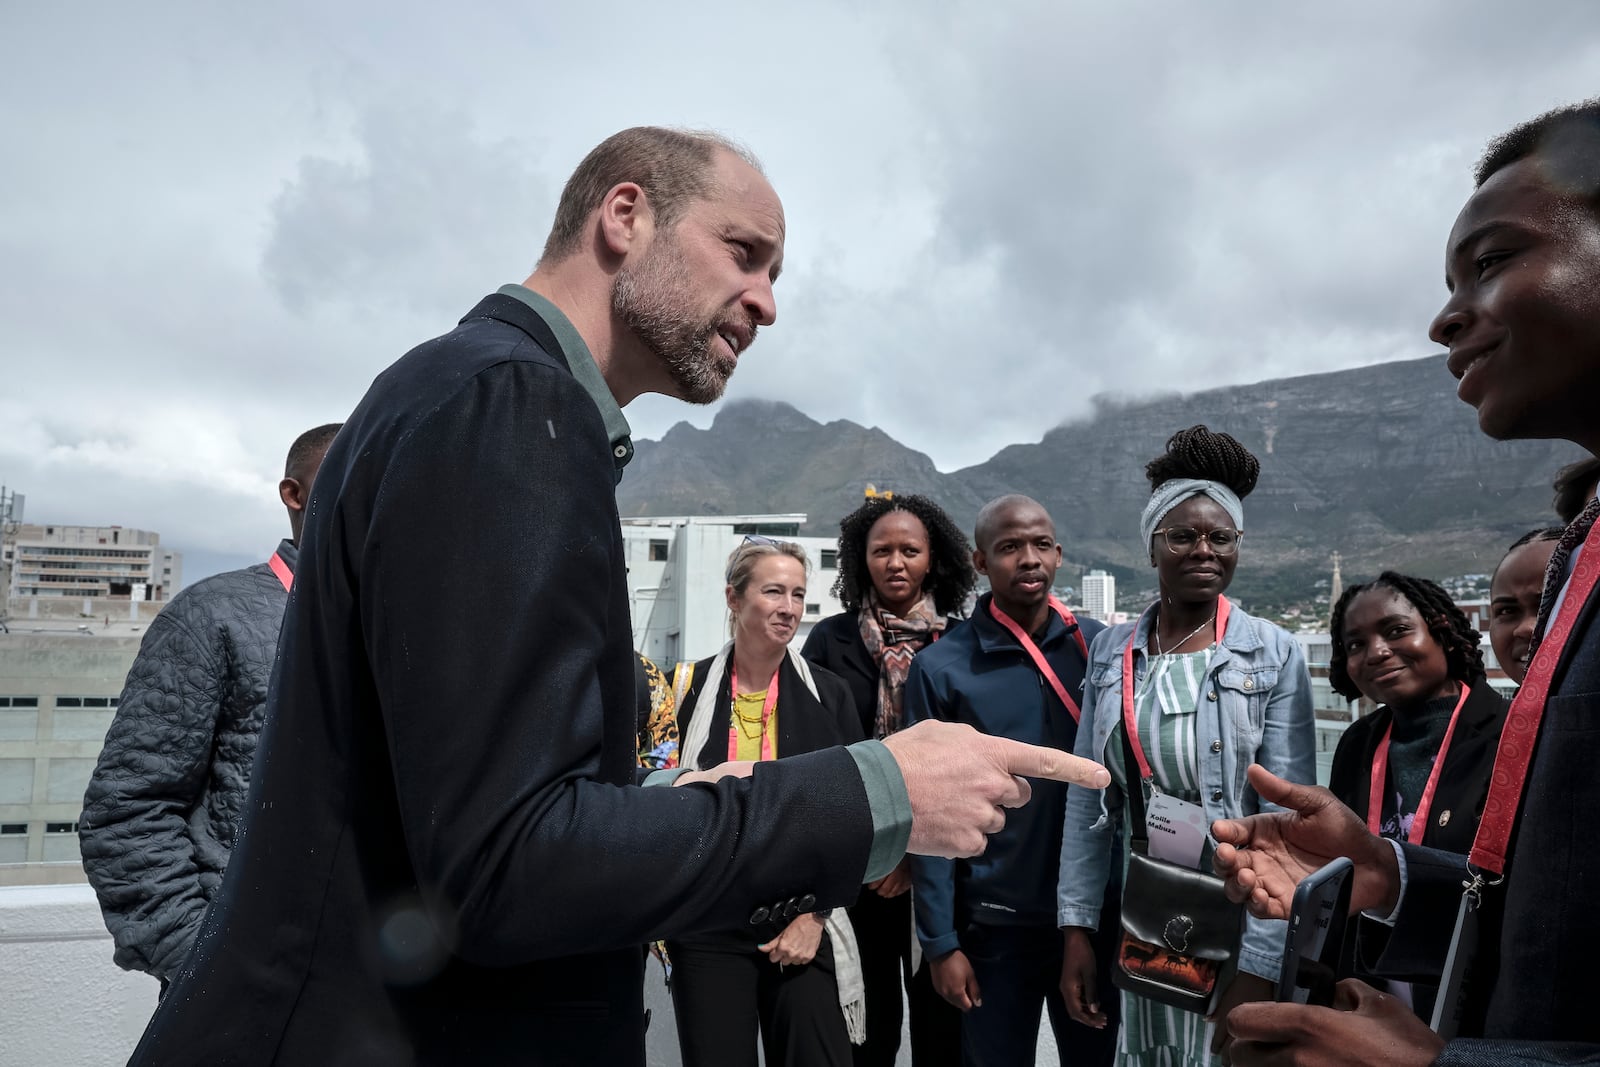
1180 932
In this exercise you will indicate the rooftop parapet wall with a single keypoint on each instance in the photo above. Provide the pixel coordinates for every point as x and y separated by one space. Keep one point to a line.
66 1003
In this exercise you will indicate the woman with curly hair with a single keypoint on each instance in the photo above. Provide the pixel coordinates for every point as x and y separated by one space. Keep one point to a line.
1213 691
905 569
1418 768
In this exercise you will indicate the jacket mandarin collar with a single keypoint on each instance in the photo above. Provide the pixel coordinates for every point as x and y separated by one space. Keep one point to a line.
992 637
289 552
575 352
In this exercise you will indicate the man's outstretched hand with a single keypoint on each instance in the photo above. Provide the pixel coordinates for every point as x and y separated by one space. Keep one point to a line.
1363 1027
961 781
1263 857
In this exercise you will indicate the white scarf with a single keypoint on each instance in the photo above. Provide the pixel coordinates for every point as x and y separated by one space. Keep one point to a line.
846 954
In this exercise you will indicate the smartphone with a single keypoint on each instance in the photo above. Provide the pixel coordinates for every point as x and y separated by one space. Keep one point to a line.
1316 935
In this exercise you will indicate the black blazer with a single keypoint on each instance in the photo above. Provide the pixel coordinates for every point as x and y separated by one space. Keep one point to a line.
1543 981
835 644
805 724
443 860
1463 784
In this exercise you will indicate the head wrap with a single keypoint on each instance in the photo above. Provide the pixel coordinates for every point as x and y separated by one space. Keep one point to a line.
1171 493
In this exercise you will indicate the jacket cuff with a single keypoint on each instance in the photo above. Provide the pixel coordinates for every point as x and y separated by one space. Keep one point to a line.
1261 949
942 945
1088 918
667 776
890 805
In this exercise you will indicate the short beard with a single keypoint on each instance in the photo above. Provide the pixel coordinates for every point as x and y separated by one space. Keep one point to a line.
655 300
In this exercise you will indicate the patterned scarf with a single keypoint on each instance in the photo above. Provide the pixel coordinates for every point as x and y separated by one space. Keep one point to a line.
1555 573
892 642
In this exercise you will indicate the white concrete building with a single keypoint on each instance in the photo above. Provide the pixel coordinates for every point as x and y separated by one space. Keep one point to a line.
1099 595
677 572
91 563
59 684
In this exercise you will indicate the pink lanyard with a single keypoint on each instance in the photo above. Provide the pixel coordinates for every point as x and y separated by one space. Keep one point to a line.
1380 773
767 708
1038 657
281 569
1515 752
1130 721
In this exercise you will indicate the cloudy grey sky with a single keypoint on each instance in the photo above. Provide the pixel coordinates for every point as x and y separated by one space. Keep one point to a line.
220 222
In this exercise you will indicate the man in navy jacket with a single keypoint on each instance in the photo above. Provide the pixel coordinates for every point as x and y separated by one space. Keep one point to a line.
988 924
444 859
1523 327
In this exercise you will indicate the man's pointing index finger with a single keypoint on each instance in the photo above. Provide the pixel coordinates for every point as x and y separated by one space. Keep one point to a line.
1036 761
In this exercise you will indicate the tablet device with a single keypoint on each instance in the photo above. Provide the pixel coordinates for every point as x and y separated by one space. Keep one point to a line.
1316 935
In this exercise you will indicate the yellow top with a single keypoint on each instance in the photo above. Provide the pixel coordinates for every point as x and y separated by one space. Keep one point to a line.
747 724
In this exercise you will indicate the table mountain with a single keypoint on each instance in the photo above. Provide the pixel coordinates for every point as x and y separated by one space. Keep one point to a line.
1381 464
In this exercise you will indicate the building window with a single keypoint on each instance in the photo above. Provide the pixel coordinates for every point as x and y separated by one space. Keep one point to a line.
13 829
60 827
830 559
658 551
813 609
86 702
19 702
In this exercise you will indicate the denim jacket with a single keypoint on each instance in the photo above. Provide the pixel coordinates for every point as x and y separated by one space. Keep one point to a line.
1257 709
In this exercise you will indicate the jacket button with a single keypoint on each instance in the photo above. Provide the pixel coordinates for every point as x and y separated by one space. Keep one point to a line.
1216 746
808 902
759 916
1212 695
1216 794
791 908
1249 684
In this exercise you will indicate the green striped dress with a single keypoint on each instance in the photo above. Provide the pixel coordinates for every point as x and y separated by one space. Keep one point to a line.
1166 708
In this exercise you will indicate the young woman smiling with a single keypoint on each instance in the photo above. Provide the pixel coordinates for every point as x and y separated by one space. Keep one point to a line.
758 700
1417 768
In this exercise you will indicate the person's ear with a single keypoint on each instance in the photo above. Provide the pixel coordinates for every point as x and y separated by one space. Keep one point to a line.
295 496
625 218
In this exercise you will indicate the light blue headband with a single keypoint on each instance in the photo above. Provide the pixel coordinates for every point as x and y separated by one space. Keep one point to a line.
1170 494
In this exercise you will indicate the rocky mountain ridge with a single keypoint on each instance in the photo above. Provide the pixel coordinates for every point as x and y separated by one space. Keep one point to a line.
1381 464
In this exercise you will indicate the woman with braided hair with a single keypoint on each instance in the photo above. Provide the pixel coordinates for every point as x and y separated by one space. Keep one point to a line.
905 570
1213 691
1418 768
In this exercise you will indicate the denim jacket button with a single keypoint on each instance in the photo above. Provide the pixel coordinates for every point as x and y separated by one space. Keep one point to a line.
1212 695
1216 794
1249 684
1216 745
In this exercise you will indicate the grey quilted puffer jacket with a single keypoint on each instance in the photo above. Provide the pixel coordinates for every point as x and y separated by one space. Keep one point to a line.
164 802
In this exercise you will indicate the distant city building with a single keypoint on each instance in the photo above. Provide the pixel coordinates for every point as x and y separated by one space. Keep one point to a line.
89 563
59 684
1099 595
677 573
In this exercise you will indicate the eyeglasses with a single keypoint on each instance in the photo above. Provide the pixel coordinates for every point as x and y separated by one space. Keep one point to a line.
1182 540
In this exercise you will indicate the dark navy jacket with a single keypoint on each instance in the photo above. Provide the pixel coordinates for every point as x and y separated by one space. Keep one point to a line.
979 675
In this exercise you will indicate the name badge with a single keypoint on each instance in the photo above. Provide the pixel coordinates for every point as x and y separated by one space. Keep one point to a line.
1177 830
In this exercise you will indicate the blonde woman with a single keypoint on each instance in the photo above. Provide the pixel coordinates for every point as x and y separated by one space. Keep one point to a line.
793 976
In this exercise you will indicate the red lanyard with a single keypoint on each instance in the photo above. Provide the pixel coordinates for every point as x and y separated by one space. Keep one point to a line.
1130 721
1515 753
1038 657
1380 773
281 569
767 708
